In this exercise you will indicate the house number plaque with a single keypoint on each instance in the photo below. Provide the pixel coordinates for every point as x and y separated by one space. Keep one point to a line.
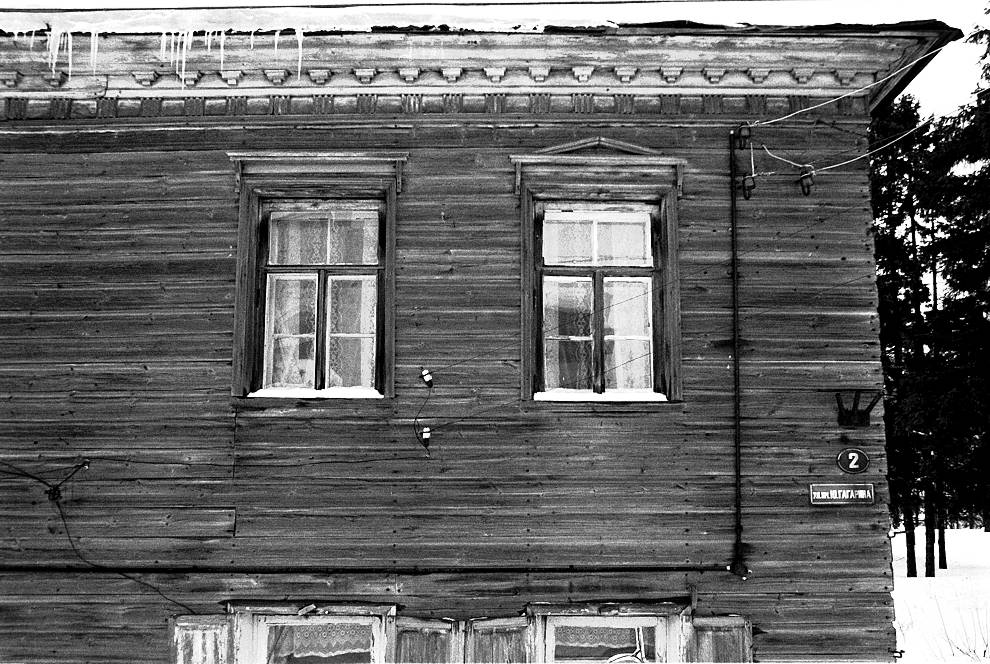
853 460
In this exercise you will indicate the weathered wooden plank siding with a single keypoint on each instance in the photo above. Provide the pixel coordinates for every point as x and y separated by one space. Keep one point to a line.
117 264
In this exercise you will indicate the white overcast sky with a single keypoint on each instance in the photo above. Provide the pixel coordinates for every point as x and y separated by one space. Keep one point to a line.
945 84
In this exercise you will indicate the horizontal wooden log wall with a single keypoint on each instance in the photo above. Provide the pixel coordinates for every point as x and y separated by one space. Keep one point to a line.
115 344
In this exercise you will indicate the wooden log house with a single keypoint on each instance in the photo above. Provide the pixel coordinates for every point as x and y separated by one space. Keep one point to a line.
633 263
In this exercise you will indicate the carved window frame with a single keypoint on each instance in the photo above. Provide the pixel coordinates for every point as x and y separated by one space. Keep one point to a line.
623 173
264 177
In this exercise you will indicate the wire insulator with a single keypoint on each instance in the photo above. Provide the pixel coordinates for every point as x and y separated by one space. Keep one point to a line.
807 181
426 377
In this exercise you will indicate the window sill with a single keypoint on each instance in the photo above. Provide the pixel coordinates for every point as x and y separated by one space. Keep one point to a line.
625 396
328 393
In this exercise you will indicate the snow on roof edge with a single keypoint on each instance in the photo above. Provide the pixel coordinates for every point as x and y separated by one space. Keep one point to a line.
519 19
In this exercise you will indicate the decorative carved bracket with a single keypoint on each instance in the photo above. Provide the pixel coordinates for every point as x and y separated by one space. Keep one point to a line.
845 76
451 74
365 74
319 76
146 78
539 74
495 74
189 78
626 74
803 74
713 74
231 76
56 78
854 416
10 78
671 74
409 74
583 73
757 75
276 76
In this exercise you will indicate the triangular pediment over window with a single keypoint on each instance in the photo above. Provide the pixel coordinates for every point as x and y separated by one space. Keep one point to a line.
607 157
599 145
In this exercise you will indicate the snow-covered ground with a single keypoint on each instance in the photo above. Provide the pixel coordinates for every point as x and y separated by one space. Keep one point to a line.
946 618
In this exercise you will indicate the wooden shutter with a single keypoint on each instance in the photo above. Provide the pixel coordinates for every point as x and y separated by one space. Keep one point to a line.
201 640
497 641
427 641
722 639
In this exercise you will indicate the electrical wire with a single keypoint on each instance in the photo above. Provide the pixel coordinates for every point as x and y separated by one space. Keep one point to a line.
54 494
882 147
95 565
851 93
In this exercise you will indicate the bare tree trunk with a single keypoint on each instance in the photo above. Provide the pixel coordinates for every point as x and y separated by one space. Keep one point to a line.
930 519
909 540
942 564
940 511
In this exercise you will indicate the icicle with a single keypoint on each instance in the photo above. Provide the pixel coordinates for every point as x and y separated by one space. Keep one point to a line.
277 33
252 40
222 35
299 44
208 40
172 60
162 48
31 41
93 46
54 45
187 37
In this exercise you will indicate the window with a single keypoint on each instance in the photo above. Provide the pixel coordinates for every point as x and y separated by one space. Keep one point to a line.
601 300
598 284
315 274
321 271
722 639
201 640
319 639
605 639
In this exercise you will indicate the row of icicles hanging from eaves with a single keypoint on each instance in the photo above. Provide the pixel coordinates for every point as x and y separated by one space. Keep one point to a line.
173 49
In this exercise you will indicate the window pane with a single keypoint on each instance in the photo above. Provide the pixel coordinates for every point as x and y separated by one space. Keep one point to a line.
290 337
202 644
319 643
352 305
568 364
567 307
598 235
324 233
350 362
627 307
623 239
628 364
568 347
567 239
297 238
422 645
599 644
353 235
499 646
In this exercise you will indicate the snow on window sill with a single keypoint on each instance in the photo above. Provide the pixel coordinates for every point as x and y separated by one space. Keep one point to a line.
565 394
327 393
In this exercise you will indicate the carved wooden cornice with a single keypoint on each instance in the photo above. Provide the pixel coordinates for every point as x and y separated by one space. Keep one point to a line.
412 73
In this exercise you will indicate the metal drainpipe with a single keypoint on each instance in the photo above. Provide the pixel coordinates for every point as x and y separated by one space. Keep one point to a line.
738 564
